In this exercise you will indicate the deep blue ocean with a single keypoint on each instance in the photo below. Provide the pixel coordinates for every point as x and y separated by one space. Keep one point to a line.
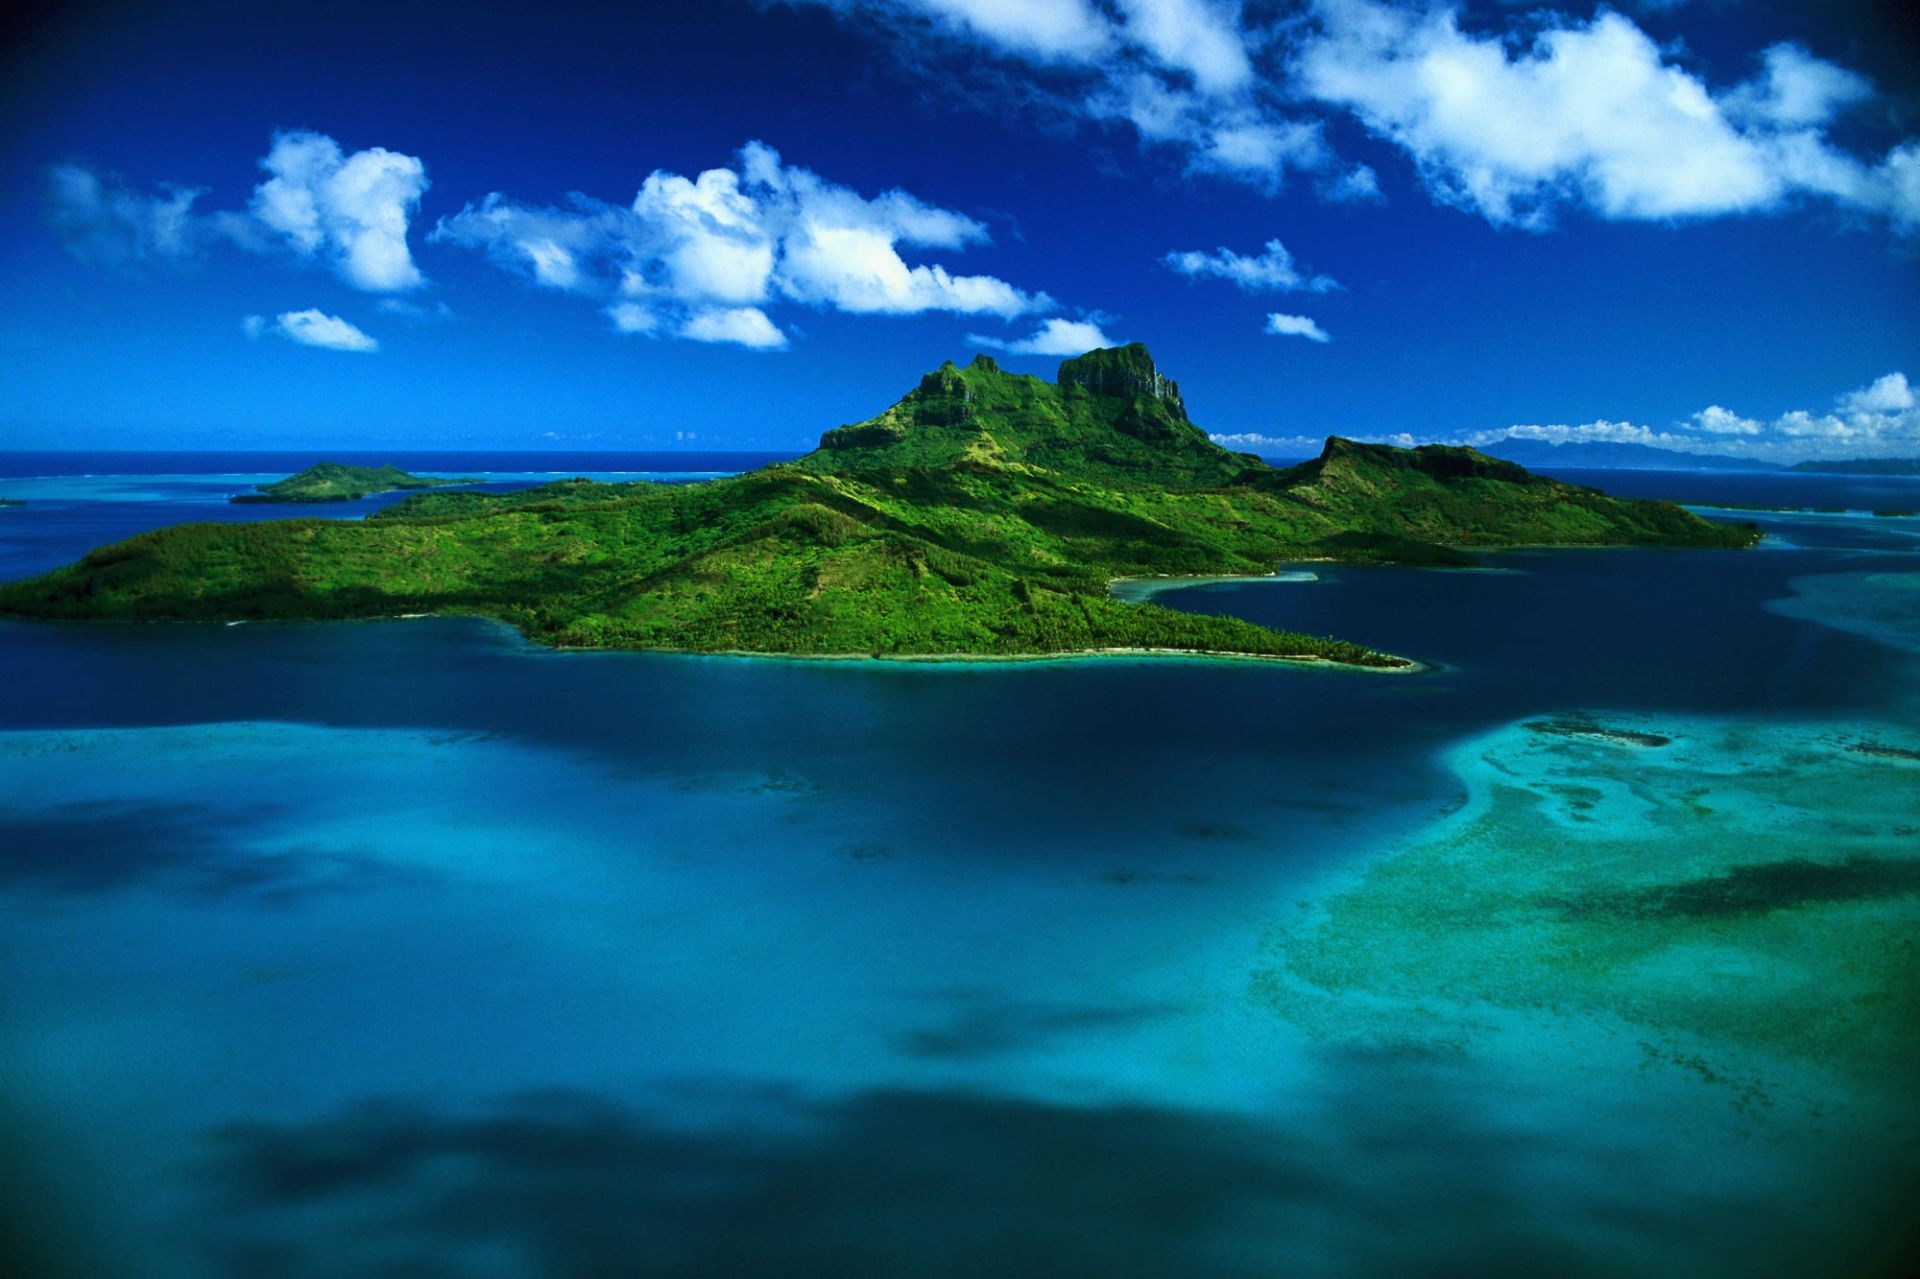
411 948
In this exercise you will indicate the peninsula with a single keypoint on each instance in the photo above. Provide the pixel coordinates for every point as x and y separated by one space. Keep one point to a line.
983 515
1864 466
338 482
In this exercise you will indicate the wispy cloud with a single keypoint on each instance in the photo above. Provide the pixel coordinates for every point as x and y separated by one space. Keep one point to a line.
318 203
1053 337
101 219
703 257
1272 271
1295 326
1182 74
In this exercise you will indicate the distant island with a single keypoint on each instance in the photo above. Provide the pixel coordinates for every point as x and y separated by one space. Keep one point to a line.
1865 466
337 482
984 515
1611 456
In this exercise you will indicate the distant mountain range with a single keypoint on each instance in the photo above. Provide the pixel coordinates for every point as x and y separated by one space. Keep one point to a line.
1865 466
1623 457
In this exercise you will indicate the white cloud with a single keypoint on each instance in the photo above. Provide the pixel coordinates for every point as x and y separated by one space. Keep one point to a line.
313 327
1295 326
702 257
1718 421
1600 431
1054 337
1272 271
1593 114
1512 124
745 325
1881 419
253 326
1358 185
1047 30
1796 89
631 317
349 210
1271 445
1200 38
1887 394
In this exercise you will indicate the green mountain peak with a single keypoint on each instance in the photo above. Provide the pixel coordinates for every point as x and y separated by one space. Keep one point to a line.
1109 417
1123 372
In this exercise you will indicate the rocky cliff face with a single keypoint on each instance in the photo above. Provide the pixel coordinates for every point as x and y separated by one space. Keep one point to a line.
1124 371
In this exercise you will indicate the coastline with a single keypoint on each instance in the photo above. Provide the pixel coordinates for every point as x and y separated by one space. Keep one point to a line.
1407 666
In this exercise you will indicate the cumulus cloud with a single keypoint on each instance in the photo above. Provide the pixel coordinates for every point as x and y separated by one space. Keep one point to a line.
1879 419
313 327
1888 394
1796 89
1513 124
1593 114
702 257
1273 271
1718 421
1295 326
1054 337
743 325
350 212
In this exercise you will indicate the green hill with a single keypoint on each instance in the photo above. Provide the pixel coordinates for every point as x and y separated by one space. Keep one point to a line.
985 514
1109 416
338 482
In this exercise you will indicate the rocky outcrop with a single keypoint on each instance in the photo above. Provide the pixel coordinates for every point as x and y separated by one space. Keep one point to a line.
1124 371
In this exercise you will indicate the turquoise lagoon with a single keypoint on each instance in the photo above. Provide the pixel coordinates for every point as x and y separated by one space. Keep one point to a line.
410 948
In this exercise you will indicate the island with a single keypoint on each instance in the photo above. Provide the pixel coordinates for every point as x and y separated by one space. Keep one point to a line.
985 515
338 482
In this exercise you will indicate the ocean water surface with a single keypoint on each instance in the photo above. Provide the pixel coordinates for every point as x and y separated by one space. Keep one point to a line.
412 948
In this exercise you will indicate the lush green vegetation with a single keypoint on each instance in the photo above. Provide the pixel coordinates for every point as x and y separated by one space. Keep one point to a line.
337 482
985 514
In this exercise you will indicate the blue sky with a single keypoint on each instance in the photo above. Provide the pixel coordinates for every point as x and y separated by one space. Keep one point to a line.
724 225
